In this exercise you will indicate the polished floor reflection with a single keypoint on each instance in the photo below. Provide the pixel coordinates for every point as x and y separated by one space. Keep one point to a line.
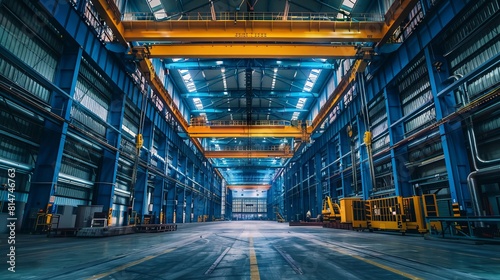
252 250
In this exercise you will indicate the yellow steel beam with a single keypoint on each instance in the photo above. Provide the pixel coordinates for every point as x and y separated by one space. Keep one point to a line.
393 18
247 131
111 14
398 11
147 69
251 187
253 31
247 154
358 66
223 50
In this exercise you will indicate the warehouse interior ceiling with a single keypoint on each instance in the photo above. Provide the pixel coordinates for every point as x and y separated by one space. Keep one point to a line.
254 78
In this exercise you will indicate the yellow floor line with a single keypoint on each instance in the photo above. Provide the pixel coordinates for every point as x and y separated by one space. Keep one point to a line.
347 253
254 268
125 266
402 273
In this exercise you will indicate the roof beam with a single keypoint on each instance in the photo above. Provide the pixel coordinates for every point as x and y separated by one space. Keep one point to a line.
203 131
111 14
358 66
248 154
398 11
253 30
241 50
257 94
255 110
146 67
231 64
251 187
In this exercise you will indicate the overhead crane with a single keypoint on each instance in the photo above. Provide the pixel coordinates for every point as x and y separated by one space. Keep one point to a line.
242 131
245 50
251 187
316 32
248 154
207 30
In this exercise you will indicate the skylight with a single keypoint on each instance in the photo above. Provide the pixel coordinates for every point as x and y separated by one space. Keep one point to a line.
197 103
308 86
160 14
349 3
275 70
300 103
311 80
157 9
223 70
188 80
154 3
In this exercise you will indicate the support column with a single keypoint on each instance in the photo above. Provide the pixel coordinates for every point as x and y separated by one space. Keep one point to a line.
171 203
364 165
211 203
301 210
344 148
48 162
158 195
400 173
188 208
159 182
318 203
109 168
141 185
452 137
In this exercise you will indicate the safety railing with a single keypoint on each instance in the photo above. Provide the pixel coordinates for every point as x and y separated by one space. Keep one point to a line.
470 228
255 16
203 122
255 147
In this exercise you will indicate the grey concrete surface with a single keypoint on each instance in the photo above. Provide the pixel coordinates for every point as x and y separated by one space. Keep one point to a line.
249 250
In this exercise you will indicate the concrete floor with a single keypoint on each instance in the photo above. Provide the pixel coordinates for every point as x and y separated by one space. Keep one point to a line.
249 250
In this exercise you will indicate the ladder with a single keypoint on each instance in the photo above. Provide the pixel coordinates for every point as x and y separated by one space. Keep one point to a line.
368 215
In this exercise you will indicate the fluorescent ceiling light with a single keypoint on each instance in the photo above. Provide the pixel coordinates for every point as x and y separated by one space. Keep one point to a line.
349 3
154 3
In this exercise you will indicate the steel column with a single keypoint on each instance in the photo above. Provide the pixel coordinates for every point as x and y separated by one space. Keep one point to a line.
319 186
109 167
170 203
452 138
400 173
48 162
364 167
141 185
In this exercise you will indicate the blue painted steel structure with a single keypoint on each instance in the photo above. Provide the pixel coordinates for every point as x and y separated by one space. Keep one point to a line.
46 171
151 197
382 81
175 183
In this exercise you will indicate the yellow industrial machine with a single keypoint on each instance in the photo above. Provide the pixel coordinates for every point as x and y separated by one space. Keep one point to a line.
350 214
353 212
331 210
395 213
401 214
385 214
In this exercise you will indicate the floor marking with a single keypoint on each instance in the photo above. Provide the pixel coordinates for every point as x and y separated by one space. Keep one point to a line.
216 263
289 260
254 268
125 266
402 273
347 253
